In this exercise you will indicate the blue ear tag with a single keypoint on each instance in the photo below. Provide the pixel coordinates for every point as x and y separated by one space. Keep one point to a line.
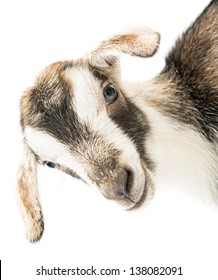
52 164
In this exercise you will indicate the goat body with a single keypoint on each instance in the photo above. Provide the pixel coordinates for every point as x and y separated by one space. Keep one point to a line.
126 139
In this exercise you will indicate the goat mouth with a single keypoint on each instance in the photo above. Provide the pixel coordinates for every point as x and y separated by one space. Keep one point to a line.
137 204
147 190
129 196
134 192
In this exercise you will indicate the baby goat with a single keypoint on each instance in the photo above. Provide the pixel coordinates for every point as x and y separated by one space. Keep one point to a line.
126 139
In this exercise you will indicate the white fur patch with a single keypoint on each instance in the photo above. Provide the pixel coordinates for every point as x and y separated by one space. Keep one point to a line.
182 157
87 98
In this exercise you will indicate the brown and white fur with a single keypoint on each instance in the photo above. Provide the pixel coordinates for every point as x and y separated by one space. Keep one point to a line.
164 131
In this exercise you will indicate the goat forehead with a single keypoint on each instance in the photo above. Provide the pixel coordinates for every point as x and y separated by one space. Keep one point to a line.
87 98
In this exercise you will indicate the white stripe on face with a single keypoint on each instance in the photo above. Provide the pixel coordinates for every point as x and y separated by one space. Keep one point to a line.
87 97
50 149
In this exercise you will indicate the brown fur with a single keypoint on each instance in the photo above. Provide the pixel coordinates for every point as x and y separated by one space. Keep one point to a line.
142 42
187 89
45 94
27 187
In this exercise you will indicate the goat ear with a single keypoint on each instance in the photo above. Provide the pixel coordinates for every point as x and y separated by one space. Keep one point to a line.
142 42
28 195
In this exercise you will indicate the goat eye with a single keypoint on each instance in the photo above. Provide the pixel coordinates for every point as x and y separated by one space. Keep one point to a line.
52 164
110 94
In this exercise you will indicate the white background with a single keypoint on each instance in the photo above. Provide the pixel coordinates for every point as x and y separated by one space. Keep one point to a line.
81 227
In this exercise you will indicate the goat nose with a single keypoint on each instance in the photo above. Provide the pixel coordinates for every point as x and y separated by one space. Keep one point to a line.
122 185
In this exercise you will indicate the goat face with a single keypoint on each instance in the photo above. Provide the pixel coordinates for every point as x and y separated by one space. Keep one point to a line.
84 121
77 117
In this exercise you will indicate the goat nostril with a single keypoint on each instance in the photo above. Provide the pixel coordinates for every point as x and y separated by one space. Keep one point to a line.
122 185
124 182
129 181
